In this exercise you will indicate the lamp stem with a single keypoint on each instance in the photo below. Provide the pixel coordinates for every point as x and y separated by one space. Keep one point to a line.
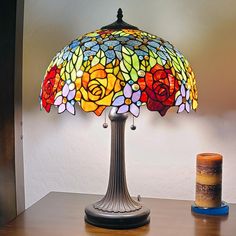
117 210
117 198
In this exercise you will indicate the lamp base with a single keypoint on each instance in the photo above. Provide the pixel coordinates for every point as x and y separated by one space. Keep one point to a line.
117 210
118 220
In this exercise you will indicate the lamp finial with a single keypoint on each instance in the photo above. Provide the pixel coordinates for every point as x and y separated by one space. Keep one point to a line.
119 23
119 15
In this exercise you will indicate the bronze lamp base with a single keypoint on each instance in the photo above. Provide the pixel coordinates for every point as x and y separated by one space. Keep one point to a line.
117 210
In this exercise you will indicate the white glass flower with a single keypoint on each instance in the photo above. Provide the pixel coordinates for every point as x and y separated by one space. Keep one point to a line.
183 100
129 101
65 100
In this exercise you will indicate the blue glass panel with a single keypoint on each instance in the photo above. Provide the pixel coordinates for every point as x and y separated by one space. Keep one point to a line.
130 47
110 54
95 48
117 48
119 55
162 55
122 39
112 43
154 44
152 48
89 53
141 53
168 45
104 47
90 44
85 39
74 43
133 42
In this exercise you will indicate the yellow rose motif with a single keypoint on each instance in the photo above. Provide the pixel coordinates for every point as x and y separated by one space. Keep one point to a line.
98 86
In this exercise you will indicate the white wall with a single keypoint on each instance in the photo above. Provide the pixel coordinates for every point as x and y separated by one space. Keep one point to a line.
67 153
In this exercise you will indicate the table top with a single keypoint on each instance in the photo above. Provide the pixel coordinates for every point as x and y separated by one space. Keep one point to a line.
59 214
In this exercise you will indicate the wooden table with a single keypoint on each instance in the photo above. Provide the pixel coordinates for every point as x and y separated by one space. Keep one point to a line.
62 214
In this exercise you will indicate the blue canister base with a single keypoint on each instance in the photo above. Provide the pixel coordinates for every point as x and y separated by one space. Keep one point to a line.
212 211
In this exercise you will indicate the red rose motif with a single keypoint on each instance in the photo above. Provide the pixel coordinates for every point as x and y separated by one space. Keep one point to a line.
158 88
51 84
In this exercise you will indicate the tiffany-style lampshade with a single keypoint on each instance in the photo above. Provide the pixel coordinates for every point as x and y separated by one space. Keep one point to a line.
122 67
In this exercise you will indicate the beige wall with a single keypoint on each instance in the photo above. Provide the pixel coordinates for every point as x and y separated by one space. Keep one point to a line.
67 153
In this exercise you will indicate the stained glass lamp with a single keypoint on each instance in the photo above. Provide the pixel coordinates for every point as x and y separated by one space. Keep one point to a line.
121 67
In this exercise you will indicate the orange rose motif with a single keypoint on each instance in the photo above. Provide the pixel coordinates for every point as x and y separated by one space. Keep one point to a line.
98 87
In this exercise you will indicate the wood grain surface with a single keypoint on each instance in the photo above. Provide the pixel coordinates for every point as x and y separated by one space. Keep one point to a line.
59 214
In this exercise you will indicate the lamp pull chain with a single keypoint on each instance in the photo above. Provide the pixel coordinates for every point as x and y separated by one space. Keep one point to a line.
105 125
133 127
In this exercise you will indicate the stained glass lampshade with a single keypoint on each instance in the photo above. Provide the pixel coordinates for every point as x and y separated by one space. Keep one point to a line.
122 67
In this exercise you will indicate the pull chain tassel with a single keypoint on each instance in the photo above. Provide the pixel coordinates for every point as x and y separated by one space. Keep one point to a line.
105 125
133 127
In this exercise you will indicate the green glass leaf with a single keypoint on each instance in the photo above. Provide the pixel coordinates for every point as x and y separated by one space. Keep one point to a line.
126 51
74 58
180 63
142 67
184 76
95 61
78 51
100 54
127 65
69 66
126 76
101 57
73 75
127 58
79 63
62 70
177 67
133 75
152 54
122 67
130 60
174 59
67 75
159 61
152 61
103 61
170 52
135 62
131 52
79 59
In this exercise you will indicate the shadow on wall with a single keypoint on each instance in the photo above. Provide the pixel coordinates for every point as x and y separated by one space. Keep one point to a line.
215 67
